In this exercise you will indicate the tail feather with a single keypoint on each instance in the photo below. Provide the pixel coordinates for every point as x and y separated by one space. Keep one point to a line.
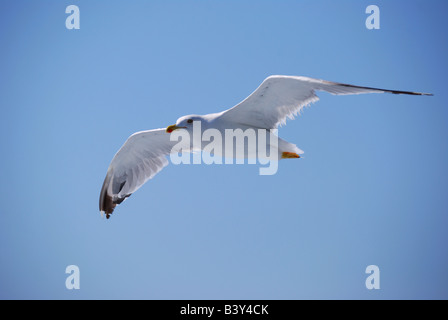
285 146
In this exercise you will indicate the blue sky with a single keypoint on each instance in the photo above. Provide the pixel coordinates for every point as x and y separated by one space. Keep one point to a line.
370 189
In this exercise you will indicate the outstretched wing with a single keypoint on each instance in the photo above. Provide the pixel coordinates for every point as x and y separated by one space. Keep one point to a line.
141 157
281 97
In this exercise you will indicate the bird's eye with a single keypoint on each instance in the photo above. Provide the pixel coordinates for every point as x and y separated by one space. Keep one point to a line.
190 121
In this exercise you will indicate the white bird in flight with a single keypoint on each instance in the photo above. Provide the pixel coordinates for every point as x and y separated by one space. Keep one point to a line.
278 98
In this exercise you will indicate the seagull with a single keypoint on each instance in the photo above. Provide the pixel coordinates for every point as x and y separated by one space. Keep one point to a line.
277 99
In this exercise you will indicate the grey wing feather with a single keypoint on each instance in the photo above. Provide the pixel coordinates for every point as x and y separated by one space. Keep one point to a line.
280 98
140 158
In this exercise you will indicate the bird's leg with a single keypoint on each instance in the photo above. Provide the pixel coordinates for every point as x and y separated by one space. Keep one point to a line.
290 155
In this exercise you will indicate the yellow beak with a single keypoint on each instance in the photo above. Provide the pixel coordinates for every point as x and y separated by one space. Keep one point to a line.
173 127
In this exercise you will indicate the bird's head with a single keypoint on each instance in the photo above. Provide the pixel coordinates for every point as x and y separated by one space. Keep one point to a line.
185 122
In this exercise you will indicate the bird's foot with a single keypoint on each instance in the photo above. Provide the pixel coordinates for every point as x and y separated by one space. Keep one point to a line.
290 155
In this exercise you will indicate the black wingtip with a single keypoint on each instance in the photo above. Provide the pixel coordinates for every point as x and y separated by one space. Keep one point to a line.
387 90
411 93
107 204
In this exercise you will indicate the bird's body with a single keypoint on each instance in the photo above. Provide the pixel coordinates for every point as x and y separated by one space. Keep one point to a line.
278 98
220 124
